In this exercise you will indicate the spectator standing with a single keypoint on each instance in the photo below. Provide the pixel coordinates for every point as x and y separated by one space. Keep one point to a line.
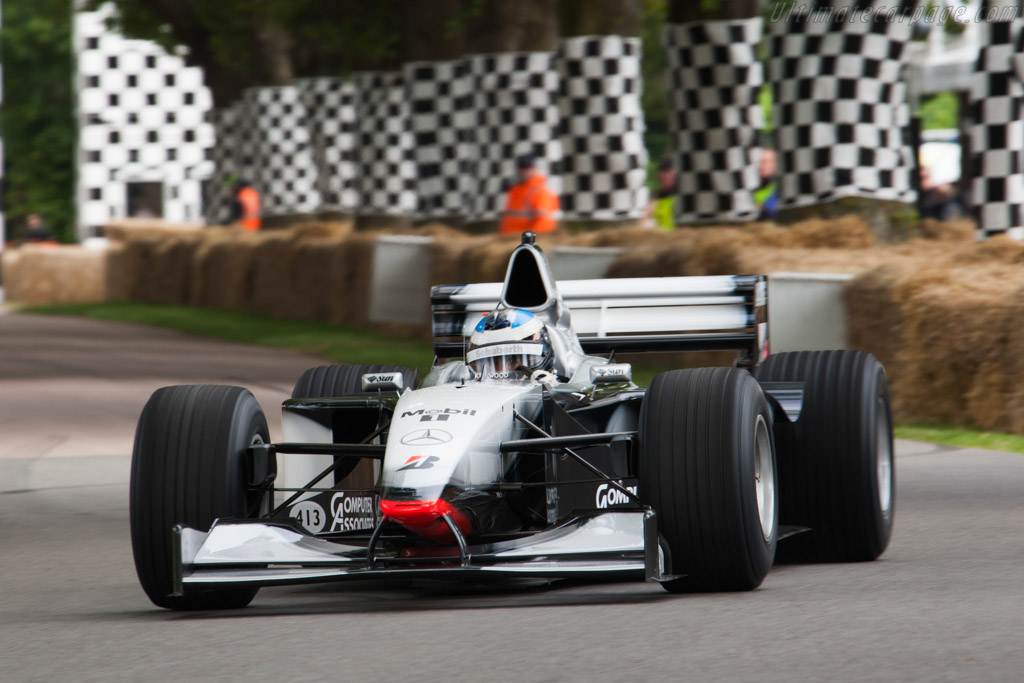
530 205
938 200
245 206
766 196
662 208
36 231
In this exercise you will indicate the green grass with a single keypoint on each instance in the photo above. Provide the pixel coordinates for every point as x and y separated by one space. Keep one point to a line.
346 345
964 437
331 342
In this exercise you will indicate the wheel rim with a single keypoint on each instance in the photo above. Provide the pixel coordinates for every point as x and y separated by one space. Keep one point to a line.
884 462
764 478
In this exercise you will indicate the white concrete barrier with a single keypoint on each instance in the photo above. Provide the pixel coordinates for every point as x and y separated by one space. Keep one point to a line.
806 311
400 285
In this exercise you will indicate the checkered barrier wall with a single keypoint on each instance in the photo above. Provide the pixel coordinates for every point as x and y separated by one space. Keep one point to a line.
715 78
385 169
513 98
604 170
285 174
330 119
840 110
141 119
997 135
434 90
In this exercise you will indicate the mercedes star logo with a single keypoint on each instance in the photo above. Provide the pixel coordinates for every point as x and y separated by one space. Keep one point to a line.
426 437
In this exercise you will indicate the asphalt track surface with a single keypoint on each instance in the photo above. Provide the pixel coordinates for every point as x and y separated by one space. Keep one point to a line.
945 602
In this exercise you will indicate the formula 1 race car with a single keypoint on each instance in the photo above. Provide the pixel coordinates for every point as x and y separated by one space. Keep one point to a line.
527 451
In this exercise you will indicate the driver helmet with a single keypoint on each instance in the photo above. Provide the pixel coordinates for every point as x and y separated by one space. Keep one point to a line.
509 343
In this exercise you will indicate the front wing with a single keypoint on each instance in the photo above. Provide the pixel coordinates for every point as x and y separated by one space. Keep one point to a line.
265 553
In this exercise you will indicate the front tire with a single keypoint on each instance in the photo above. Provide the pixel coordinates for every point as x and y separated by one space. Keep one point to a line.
707 467
836 463
188 467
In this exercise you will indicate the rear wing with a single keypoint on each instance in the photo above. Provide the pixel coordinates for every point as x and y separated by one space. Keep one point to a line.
630 315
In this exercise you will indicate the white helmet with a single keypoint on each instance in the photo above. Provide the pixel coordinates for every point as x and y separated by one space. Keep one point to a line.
509 343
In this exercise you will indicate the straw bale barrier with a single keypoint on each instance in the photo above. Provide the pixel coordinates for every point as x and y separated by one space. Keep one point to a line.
941 311
54 274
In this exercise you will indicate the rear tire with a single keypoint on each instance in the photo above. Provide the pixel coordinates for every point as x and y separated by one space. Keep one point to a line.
836 463
707 467
188 467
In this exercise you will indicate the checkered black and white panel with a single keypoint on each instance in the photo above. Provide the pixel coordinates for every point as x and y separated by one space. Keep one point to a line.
142 128
227 126
514 100
433 91
385 169
286 174
840 109
715 78
604 170
330 118
997 136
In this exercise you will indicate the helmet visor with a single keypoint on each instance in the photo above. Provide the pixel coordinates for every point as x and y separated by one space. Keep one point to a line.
506 361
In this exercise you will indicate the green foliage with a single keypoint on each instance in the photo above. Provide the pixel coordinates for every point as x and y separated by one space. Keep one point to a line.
765 99
940 111
38 121
654 68
964 437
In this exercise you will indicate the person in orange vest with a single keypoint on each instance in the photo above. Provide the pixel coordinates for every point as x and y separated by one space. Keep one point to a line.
245 206
530 205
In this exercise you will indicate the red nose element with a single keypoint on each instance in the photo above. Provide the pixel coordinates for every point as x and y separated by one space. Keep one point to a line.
424 517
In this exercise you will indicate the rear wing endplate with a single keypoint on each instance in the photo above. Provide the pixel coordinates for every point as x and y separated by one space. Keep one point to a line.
630 315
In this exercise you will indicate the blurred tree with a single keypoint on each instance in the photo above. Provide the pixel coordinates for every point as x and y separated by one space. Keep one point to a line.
38 125
244 43
656 102
503 26
601 17
685 11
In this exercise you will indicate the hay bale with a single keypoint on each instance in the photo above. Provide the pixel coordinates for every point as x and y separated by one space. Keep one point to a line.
147 228
355 262
171 278
449 259
37 275
955 340
272 265
961 230
321 230
488 261
319 268
440 232
1010 369
10 263
121 277
844 232
224 270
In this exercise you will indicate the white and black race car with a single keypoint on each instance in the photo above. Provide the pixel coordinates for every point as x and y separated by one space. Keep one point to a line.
527 451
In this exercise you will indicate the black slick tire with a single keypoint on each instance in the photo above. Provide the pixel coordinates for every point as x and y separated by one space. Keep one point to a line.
188 467
836 466
706 467
329 381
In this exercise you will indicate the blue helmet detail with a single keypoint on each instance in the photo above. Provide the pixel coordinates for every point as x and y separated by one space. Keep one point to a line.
511 318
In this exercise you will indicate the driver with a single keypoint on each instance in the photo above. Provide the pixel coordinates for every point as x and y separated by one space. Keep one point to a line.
510 343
